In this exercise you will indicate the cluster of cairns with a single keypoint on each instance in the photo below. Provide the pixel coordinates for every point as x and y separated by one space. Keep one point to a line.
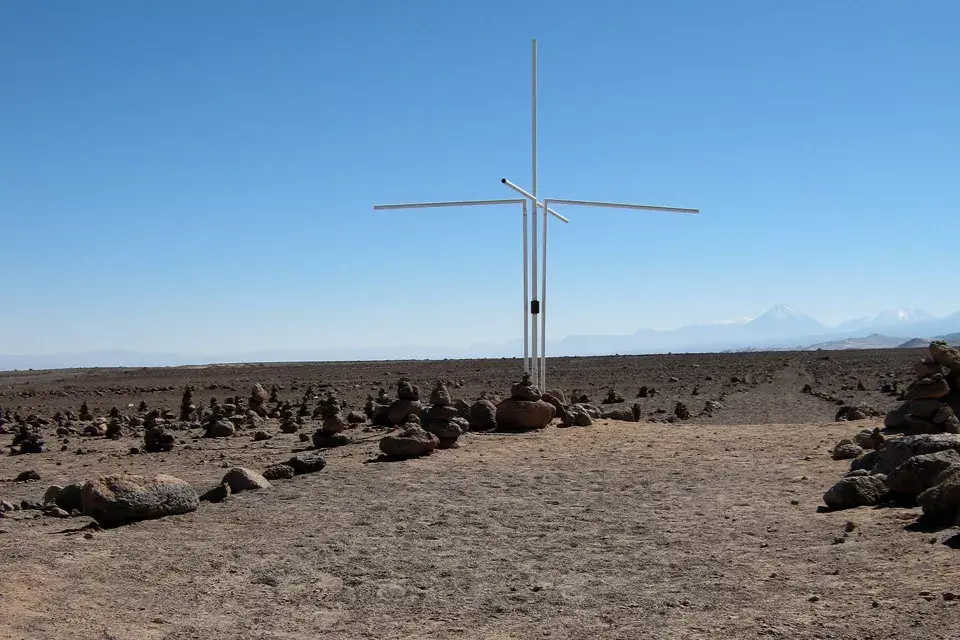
916 459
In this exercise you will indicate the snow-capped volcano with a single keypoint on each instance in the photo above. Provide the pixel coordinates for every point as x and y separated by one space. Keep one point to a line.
888 318
782 320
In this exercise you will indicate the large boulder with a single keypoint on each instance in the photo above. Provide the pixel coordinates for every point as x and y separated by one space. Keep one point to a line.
524 415
941 502
917 474
483 416
120 499
220 429
241 479
899 450
409 442
856 491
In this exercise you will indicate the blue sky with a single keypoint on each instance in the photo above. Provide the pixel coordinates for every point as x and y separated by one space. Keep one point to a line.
198 176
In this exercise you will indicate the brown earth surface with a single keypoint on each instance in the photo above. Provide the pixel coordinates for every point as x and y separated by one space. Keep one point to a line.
702 528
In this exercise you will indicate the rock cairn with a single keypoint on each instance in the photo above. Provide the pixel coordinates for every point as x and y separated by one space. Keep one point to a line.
187 408
85 415
28 438
411 441
258 400
524 410
932 401
156 439
920 467
217 425
330 434
443 419
406 404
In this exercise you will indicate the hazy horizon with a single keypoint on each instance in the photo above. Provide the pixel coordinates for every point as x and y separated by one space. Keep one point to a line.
197 178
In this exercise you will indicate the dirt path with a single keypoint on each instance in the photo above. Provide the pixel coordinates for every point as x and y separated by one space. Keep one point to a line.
615 531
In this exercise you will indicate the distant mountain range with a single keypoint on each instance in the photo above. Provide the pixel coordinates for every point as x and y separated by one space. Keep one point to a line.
780 327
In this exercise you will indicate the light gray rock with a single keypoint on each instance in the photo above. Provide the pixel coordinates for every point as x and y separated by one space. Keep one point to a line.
241 479
119 499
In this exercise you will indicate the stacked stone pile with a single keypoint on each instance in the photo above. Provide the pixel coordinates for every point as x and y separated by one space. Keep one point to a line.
923 465
525 409
330 434
407 403
443 419
932 401
410 441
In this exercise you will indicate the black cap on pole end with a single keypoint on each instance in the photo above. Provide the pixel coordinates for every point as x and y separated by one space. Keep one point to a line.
503 180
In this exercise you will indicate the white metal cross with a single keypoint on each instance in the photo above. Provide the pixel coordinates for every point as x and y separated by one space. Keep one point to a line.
537 363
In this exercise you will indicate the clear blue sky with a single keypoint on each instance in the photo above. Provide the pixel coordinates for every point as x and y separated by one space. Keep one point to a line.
198 176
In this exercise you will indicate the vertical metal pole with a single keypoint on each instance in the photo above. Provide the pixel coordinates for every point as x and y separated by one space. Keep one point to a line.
526 297
543 303
535 304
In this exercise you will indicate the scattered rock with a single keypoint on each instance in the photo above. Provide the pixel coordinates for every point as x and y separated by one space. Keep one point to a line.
217 494
307 462
680 411
278 472
30 475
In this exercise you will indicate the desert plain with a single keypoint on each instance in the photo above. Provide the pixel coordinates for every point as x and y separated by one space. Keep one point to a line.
707 526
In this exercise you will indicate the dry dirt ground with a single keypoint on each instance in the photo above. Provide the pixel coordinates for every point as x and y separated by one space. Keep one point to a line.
707 528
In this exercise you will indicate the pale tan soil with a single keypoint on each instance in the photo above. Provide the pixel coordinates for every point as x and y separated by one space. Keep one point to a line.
618 530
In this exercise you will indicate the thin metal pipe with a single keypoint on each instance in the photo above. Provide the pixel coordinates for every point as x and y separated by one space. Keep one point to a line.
543 307
534 362
526 193
622 205
458 203
526 297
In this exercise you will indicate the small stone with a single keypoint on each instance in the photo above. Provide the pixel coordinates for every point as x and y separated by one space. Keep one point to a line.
850 526
949 596
814 599
794 502
30 475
